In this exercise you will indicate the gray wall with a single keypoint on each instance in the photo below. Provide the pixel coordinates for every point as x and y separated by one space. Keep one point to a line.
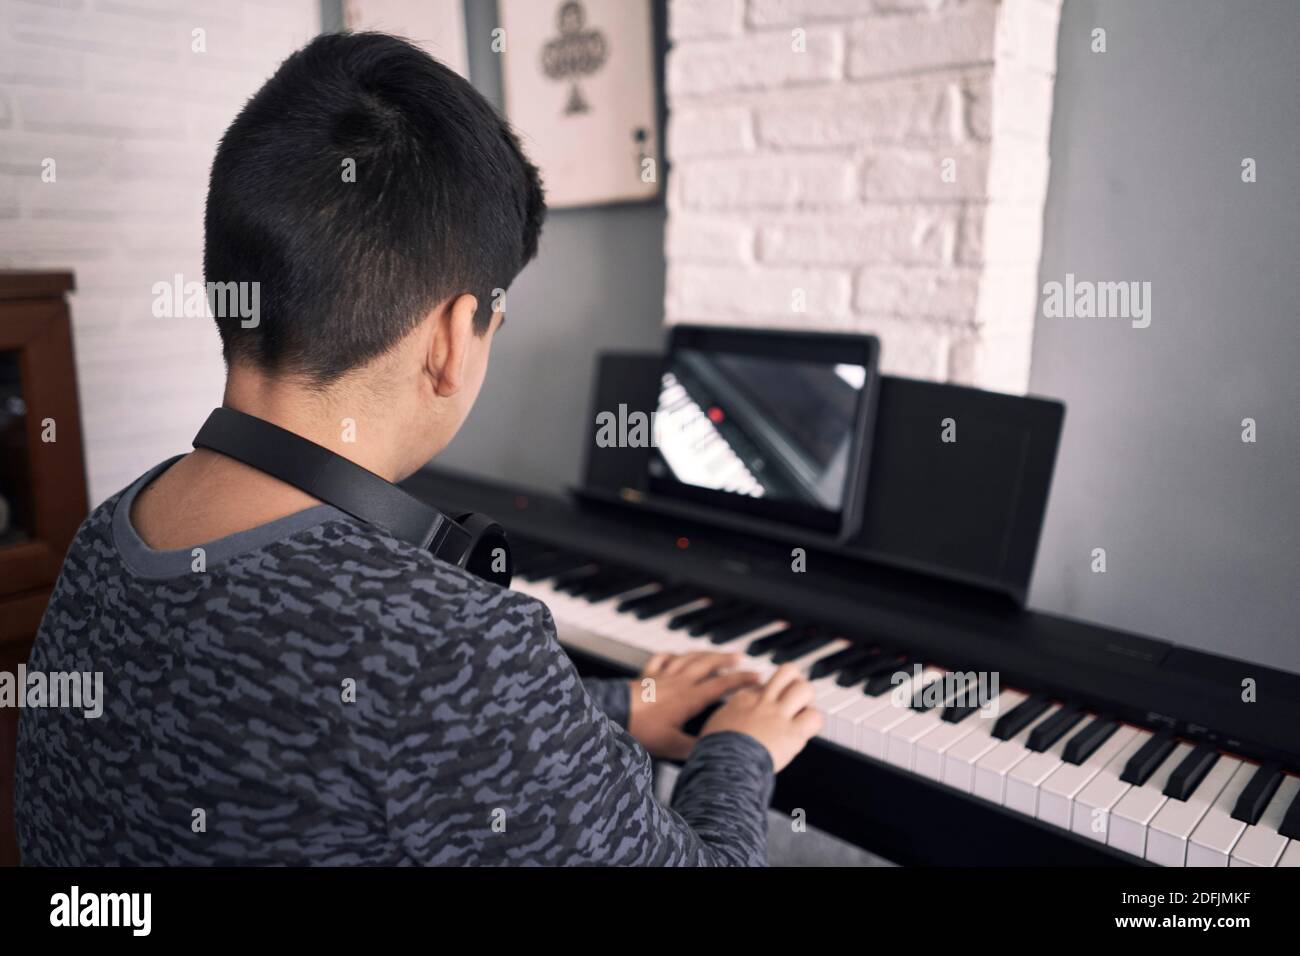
597 283
1202 532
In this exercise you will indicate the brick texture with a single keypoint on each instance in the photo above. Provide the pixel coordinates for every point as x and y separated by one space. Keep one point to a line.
878 165
115 94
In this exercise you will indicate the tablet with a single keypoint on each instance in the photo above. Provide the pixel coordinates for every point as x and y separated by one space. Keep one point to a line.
770 425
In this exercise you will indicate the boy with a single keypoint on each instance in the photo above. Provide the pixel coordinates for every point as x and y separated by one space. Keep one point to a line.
286 684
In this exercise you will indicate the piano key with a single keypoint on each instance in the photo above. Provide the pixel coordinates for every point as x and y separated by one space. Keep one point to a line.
719 613
1090 815
1212 841
1056 795
1146 760
565 580
872 730
1187 776
829 666
1291 822
1173 825
1261 844
900 745
721 633
1016 720
686 618
869 666
617 586
1083 744
1048 732
960 760
1258 793
928 758
1291 855
1024 782
797 649
886 675
769 642
991 770
956 713
668 592
1135 810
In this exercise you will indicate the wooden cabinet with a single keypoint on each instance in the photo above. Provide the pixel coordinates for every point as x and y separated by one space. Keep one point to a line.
42 478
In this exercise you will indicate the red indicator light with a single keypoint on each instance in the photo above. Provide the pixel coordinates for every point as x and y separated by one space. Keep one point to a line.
715 414
683 543
521 502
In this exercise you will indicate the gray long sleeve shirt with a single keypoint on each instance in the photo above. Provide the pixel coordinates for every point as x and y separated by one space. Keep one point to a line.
314 691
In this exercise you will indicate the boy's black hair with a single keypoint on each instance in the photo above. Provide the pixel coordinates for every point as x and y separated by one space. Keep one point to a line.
443 202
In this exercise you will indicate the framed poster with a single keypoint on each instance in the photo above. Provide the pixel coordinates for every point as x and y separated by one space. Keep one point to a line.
437 26
579 81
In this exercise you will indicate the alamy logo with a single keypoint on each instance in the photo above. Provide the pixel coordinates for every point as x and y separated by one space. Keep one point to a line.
36 689
1084 299
625 429
74 908
208 300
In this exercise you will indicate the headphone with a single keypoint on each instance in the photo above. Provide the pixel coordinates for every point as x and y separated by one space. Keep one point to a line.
472 541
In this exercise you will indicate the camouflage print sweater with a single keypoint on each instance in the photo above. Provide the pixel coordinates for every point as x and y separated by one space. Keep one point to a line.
321 693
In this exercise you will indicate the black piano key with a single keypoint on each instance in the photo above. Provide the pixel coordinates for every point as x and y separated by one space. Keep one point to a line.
858 672
1291 820
924 701
620 585
1151 755
566 582
1054 728
556 565
731 630
721 613
796 650
578 584
769 642
956 713
1085 743
666 600
882 676
840 659
1254 799
687 618
1187 776
1019 717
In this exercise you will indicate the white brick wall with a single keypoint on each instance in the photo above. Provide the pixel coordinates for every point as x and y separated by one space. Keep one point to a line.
808 142
112 92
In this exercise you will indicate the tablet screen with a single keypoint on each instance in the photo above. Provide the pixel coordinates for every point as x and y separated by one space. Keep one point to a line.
772 424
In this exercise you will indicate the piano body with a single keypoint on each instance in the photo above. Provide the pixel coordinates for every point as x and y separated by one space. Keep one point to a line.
1099 747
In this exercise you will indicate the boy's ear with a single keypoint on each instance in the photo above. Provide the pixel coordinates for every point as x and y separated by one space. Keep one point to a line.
453 332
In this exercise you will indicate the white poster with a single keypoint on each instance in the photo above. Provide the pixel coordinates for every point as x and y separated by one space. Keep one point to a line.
580 89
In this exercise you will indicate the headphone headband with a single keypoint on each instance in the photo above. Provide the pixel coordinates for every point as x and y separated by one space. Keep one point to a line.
347 486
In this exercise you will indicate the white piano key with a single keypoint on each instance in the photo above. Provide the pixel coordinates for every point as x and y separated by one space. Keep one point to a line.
1261 844
930 749
900 744
1291 855
1090 816
1217 833
992 768
846 726
1027 777
1135 810
1173 825
872 731
1056 795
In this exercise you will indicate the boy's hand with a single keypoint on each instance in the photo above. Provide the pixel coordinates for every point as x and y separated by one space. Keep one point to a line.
778 715
672 689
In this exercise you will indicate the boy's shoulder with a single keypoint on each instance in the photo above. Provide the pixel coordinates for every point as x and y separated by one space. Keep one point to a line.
352 567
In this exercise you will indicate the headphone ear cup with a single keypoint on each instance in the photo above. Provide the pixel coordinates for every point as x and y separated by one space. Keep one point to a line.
488 555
